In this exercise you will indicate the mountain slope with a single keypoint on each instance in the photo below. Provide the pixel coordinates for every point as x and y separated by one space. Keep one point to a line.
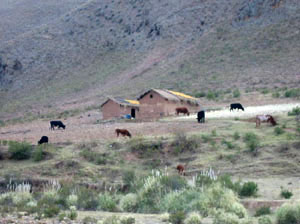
102 47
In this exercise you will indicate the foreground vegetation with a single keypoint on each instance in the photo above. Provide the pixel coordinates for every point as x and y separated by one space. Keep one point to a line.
134 176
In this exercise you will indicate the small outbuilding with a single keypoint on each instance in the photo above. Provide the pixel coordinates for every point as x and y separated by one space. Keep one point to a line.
116 107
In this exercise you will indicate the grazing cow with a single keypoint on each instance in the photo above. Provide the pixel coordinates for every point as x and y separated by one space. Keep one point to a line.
180 169
44 139
201 116
236 106
265 118
57 124
123 132
183 110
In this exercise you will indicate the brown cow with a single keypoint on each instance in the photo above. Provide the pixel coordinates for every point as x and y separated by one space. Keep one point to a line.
123 132
183 110
180 169
265 118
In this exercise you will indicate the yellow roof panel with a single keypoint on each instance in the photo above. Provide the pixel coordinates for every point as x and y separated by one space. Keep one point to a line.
182 95
133 101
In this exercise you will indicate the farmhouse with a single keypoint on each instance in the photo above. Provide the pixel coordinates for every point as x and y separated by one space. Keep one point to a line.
156 103
116 107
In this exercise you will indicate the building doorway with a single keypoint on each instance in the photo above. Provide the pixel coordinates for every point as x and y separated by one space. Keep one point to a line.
133 113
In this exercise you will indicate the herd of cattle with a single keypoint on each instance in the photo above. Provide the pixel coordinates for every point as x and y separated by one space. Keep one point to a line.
183 110
178 110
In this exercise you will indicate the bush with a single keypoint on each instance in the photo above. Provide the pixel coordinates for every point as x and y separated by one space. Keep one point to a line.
193 218
200 94
47 207
264 220
111 220
72 200
236 93
182 143
248 189
107 203
292 93
127 220
295 111
278 131
93 157
177 217
225 218
252 142
20 151
286 193
236 136
265 210
288 214
128 203
38 154
276 95
128 179
87 199
144 147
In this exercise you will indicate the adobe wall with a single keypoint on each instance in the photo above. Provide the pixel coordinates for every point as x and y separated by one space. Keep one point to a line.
114 110
157 106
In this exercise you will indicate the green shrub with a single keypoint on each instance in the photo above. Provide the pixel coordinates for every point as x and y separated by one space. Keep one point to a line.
228 144
236 93
248 189
200 94
264 91
107 203
182 143
87 199
252 142
93 157
128 179
286 193
47 206
288 214
177 217
265 210
144 147
276 94
38 155
278 131
111 220
127 220
295 111
128 203
193 218
2 123
226 218
227 182
236 135
73 213
264 220
20 151
292 93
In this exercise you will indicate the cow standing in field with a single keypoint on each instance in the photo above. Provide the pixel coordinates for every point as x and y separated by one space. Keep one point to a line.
236 106
180 169
183 110
44 139
201 116
57 124
123 132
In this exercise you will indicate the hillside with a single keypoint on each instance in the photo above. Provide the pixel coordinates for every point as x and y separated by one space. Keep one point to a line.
76 53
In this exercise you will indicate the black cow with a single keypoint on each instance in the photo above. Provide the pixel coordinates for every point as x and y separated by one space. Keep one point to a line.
201 116
44 139
236 106
58 124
